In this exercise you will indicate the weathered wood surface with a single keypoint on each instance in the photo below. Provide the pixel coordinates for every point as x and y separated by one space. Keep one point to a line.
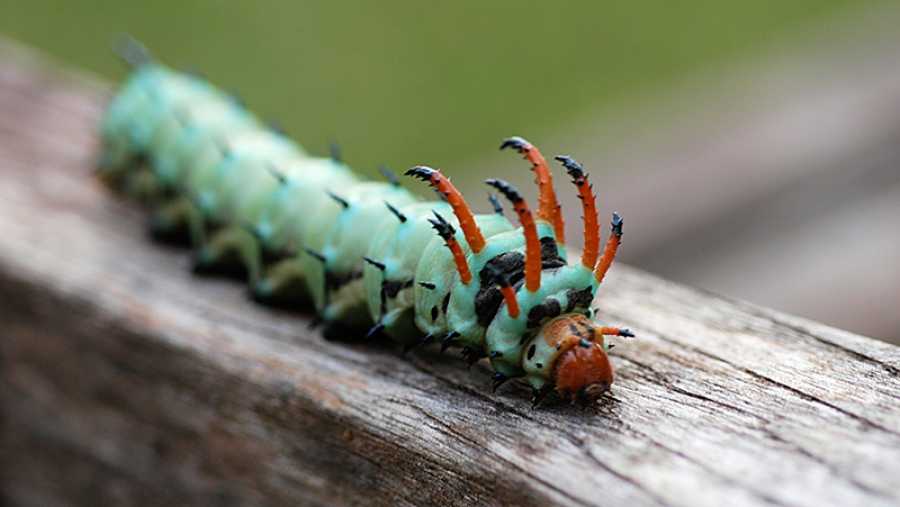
126 380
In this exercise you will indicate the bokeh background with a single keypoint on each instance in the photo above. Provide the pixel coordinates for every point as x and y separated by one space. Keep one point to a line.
752 146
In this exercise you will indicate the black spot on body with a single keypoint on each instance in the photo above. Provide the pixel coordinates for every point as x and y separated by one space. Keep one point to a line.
434 313
548 309
579 298
512 265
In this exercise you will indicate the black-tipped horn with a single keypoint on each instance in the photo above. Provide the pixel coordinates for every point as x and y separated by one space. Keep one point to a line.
575 170
616 224
442 226
423 172
515 142
508 191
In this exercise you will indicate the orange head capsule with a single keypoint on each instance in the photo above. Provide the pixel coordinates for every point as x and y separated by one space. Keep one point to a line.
569 353
583 372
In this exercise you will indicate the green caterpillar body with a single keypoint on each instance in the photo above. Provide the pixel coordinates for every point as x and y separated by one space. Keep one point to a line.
366 252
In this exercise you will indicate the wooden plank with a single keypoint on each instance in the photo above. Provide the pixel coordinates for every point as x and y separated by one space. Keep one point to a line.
127 380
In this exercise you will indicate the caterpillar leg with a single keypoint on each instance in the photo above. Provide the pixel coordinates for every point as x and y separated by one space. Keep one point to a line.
144 185
169 221
281 278
177 217
114 168
229 242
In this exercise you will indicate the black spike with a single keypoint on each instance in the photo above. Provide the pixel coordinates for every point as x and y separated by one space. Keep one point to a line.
423 172
626 333
315 254
277 127
442 226
334 150
575 170
238 101
400 216
616 224
343 202
428 285
495 203
131 51
374 330
379 265
508 191
448 340
611 346
498 380
389 175
278 175
515 142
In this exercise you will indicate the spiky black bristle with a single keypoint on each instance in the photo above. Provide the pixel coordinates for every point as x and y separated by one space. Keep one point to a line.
508 191
517 143
616 224
400 216
423 172
495 203
379 265
442 226
575 170
389 175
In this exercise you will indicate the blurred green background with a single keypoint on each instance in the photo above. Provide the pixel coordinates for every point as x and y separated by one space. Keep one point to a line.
420 82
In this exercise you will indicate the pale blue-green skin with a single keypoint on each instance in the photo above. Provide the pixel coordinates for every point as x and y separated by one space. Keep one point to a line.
441 271
236 172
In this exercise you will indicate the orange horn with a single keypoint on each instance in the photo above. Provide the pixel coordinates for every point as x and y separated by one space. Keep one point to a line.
532 243
609 253
462 211
548 206
589 209
447 233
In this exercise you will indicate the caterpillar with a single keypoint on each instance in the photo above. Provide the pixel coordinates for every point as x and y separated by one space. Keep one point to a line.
367 254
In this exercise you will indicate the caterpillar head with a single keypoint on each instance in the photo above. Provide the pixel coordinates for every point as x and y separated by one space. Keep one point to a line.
569 355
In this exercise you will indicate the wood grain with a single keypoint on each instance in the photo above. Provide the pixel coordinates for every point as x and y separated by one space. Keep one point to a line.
125 380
